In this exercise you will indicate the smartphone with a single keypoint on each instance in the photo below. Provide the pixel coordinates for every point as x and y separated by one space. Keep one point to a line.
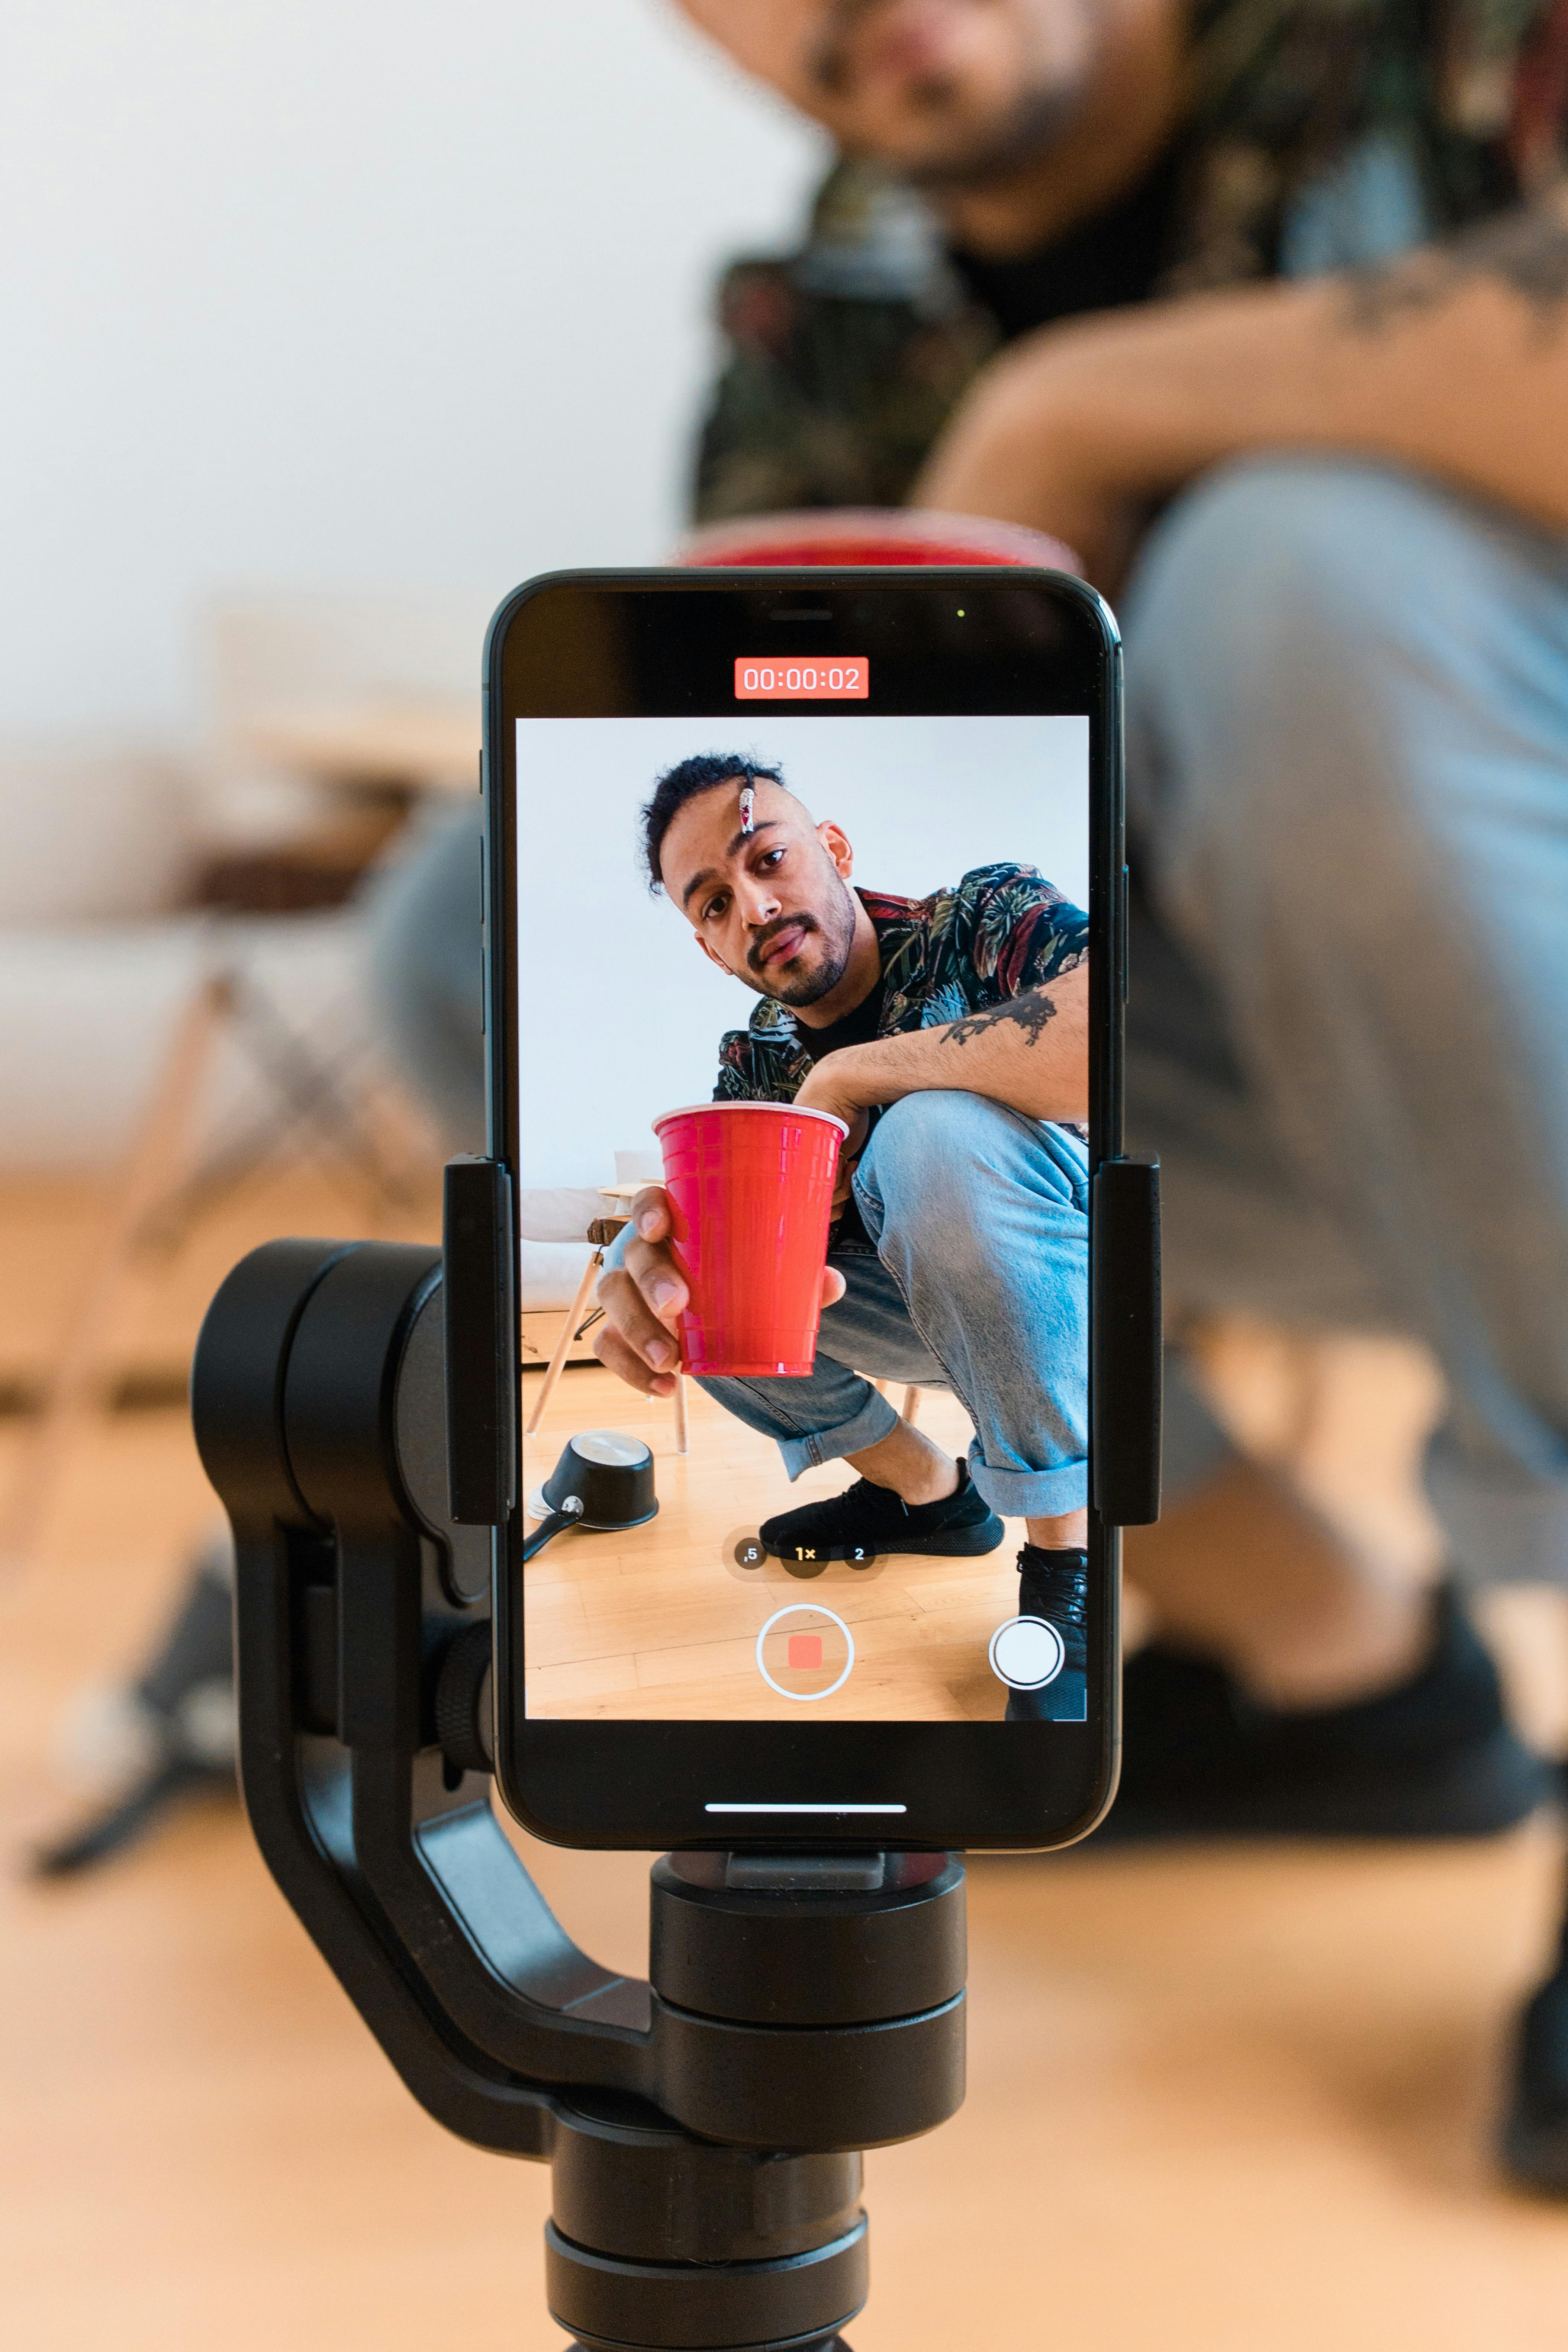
846 845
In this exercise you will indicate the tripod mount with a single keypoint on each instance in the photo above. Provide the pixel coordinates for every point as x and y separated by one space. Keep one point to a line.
703 2128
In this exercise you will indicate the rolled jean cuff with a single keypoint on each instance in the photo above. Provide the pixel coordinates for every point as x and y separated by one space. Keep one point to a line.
1030 1494
875 1421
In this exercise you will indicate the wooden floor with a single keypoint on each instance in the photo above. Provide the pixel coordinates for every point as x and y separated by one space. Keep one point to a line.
1218 2103
662 1621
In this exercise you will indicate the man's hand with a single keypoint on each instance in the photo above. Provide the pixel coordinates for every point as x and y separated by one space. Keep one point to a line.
642 1298
825 1088
1044 439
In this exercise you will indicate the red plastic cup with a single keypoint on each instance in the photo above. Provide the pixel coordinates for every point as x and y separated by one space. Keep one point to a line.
874 535
751 1197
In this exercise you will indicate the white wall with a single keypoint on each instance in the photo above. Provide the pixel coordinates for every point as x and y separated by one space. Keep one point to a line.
377 293
620 1015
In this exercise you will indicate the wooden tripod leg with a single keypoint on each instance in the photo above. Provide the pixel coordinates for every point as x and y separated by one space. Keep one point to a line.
911 1406
682 1442
563 1346
73 1392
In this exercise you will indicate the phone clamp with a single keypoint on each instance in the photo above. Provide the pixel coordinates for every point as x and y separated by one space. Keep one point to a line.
703 2127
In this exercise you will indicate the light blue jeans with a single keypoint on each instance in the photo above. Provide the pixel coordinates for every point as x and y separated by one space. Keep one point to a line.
977 1281
1348 1024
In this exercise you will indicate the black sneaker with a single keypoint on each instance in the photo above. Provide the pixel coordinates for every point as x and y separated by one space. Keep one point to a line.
1432 1757
1055 1585
1535 2126
867 1520
175 1725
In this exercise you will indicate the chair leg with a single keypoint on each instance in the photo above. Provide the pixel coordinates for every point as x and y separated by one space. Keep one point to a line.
682 1442
911 1406
73 1393
568 1332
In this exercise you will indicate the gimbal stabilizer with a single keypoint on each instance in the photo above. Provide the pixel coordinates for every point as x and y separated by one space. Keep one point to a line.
703 2128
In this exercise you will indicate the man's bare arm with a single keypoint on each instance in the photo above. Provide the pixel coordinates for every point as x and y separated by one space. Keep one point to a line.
1031 1051
1527 251
1453 360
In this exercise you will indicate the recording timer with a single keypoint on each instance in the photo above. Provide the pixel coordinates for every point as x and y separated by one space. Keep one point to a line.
759 678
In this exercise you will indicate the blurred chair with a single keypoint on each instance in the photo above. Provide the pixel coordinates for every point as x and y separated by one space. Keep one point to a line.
333 716
145 975
164 1183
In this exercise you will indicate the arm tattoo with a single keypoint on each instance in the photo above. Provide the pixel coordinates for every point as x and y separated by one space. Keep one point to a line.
1525 250
1030 1012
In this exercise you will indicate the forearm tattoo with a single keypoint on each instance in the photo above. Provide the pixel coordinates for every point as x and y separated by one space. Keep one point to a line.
1029 1012
1526 251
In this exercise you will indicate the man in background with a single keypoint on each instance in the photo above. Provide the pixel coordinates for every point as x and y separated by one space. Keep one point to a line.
1262 305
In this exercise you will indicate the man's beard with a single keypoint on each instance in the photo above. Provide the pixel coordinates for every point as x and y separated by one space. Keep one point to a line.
976 158
837 933
999 152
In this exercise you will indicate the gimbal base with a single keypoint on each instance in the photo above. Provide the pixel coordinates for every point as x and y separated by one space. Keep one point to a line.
702 2127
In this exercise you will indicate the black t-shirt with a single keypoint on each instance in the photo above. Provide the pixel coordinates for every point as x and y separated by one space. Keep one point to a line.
858 1027
1114 258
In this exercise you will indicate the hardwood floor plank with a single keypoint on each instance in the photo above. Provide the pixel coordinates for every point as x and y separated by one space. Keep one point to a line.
1219 2101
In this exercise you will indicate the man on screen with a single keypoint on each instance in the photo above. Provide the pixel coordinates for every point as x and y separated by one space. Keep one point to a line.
949 1034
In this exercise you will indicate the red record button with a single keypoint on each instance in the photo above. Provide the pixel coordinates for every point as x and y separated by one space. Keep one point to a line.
837 677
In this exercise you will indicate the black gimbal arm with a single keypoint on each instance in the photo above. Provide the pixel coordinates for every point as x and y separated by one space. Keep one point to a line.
343 1610
701 2126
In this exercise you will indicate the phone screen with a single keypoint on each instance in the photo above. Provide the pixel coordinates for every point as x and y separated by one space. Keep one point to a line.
803 1045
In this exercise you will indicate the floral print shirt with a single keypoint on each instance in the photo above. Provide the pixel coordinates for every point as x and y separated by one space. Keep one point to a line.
1315 135
1000 930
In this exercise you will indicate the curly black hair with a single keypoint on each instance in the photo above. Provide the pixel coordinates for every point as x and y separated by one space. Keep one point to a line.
701 773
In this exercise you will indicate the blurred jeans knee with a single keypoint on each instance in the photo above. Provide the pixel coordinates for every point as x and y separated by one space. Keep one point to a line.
1283 596
1295 556
425 974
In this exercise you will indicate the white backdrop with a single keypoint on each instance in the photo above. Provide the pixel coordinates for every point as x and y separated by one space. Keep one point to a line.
369 294
621 1014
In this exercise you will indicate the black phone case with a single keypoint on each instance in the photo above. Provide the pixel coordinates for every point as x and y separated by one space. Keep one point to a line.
965 1785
